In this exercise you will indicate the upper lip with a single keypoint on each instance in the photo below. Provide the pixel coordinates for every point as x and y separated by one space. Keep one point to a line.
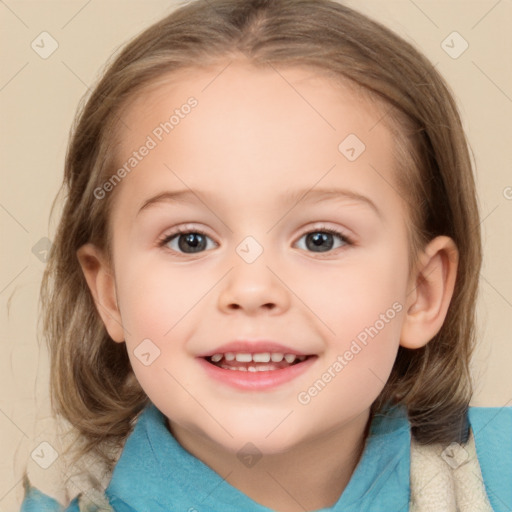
253 347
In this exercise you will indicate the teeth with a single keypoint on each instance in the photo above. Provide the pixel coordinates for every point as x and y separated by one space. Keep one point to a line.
261 357
289 358
276 357
240 368
264 368
243 358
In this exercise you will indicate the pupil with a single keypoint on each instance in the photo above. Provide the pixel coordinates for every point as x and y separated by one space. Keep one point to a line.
318 239
191 240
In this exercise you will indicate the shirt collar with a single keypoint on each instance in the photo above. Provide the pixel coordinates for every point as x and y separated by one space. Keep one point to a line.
156 473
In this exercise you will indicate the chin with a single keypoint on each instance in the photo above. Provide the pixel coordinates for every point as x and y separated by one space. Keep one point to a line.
268 437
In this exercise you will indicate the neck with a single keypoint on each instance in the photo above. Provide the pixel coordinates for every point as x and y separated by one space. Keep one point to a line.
308 477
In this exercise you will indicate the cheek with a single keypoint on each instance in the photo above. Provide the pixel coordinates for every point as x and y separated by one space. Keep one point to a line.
365 312
154 298
157 306
353 297
362 308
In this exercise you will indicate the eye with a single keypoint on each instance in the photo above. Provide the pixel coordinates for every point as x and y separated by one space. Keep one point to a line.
188 242
323 239
195 241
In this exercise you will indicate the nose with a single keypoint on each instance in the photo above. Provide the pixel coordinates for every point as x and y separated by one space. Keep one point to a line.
254 287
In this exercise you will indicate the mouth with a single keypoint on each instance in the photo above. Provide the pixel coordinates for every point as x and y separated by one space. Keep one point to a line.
255 371
255 362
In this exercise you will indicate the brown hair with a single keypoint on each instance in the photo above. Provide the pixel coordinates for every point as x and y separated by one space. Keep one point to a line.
92 383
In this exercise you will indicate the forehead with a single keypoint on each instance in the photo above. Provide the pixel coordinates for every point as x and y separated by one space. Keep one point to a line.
235 86
251 130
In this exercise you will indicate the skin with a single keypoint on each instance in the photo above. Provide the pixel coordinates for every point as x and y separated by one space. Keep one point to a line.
253 137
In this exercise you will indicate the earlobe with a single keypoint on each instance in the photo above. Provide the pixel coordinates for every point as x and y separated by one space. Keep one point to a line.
430 297
101 283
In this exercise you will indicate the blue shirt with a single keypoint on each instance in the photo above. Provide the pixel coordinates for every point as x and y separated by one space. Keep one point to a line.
156 474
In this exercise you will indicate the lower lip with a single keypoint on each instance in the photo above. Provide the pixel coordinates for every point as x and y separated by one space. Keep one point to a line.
256 381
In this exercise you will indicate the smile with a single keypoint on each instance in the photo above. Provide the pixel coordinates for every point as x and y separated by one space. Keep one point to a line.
255 371
260 362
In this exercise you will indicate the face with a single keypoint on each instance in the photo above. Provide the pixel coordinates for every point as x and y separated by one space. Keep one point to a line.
292 240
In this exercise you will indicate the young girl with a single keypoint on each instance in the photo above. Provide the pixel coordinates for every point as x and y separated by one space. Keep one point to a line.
261 294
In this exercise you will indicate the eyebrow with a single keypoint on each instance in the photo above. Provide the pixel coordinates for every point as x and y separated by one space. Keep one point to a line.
314 195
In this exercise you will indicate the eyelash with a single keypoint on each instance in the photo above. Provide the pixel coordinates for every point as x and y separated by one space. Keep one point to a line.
179 231
321 229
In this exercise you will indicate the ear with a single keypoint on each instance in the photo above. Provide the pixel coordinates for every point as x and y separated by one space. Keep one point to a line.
432 288
101 283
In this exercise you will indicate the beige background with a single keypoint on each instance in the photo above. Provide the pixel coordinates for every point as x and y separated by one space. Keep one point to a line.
38 98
